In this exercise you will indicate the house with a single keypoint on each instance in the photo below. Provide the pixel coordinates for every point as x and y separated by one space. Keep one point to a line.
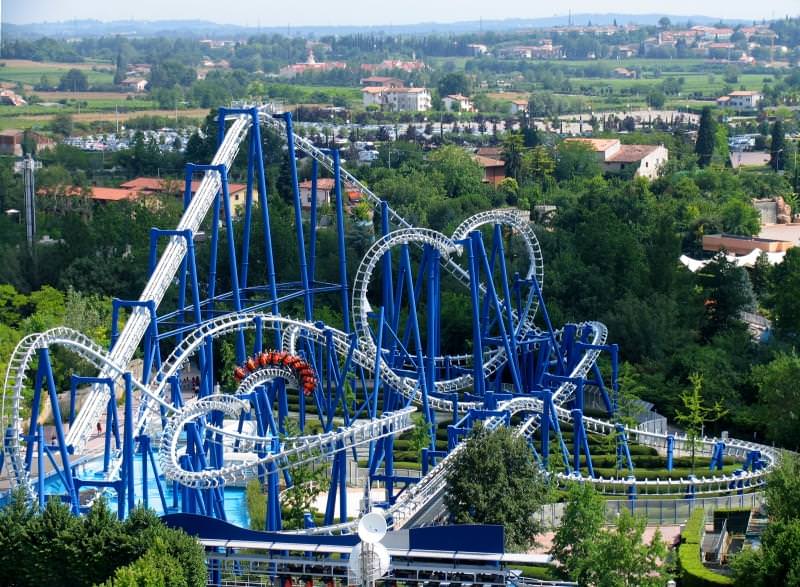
626 51
623 73
741 100
10 98
390 64
519 107
237 192
491 152
134 84
379 81
11 142
326 193
494 170
646 160
544 50
478 49
373 96
458 103
397 99
311 64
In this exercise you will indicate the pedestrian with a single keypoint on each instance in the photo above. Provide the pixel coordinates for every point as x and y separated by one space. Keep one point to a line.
99 428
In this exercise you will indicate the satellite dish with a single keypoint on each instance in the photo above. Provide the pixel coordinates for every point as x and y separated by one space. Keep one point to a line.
368 562
372 527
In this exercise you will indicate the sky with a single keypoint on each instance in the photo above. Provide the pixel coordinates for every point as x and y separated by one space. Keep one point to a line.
368 12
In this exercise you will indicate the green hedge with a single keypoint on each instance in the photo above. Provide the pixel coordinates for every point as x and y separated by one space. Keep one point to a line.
692 571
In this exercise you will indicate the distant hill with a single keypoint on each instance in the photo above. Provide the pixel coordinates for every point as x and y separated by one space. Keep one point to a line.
203 28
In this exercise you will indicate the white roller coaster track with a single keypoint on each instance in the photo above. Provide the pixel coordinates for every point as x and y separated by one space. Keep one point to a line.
411 501
160 280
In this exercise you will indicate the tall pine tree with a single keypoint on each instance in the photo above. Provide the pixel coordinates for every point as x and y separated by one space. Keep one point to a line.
704 147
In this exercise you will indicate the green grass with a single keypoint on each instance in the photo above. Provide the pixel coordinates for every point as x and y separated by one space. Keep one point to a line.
693 83
33 74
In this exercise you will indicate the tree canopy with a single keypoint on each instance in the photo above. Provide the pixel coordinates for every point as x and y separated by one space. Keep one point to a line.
494 479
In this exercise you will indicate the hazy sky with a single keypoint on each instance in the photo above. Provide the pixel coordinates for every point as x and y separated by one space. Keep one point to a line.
355 12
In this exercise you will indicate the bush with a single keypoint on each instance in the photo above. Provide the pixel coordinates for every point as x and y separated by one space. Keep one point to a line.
256 504
53 547
692 571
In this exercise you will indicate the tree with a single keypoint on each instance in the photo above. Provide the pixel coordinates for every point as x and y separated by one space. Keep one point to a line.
581 523
462 175
512 154
576 160
74 81
622 558
494 479
592 555
538 165
778 394
420 434
62 124
664 23
706 137
777 149
727 292
695 415
120 67
784 298
453 83
777 561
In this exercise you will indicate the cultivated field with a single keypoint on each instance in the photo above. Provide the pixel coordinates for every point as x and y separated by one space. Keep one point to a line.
30 72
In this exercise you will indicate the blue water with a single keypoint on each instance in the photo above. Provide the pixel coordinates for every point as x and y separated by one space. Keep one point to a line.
235 501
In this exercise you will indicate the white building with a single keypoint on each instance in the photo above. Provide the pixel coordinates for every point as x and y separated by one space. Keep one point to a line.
397 99
458 103
519 107
741 100
647 160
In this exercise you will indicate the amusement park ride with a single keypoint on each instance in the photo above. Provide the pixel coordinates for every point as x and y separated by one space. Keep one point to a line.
361 381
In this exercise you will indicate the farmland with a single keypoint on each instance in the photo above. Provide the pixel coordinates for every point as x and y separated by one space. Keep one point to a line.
30 73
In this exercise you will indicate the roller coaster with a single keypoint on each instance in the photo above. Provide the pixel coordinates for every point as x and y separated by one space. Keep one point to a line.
361 381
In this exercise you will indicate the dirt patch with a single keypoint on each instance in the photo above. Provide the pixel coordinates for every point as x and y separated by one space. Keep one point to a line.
122 116
88 96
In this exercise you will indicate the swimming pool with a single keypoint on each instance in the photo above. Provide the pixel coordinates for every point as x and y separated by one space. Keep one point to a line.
235 501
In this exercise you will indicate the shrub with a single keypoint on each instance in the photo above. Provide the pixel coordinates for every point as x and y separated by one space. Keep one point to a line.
692 571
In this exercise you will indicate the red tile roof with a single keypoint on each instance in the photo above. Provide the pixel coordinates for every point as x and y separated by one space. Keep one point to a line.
158 184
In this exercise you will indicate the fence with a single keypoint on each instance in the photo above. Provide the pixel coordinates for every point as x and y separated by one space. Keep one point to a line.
658 512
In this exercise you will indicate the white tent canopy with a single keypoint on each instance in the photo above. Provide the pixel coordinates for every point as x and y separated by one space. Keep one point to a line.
747 260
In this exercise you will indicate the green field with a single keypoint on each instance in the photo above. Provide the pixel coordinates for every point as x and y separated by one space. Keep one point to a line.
31 72
707 84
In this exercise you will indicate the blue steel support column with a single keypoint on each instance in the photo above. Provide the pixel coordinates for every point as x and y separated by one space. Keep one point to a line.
127 446
506 335
248 211
312 231
670 450
433 311
237 300
44 359
263 204
144 447
337 171
40 465
298 216
547 401
513 360
477 341
342 454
